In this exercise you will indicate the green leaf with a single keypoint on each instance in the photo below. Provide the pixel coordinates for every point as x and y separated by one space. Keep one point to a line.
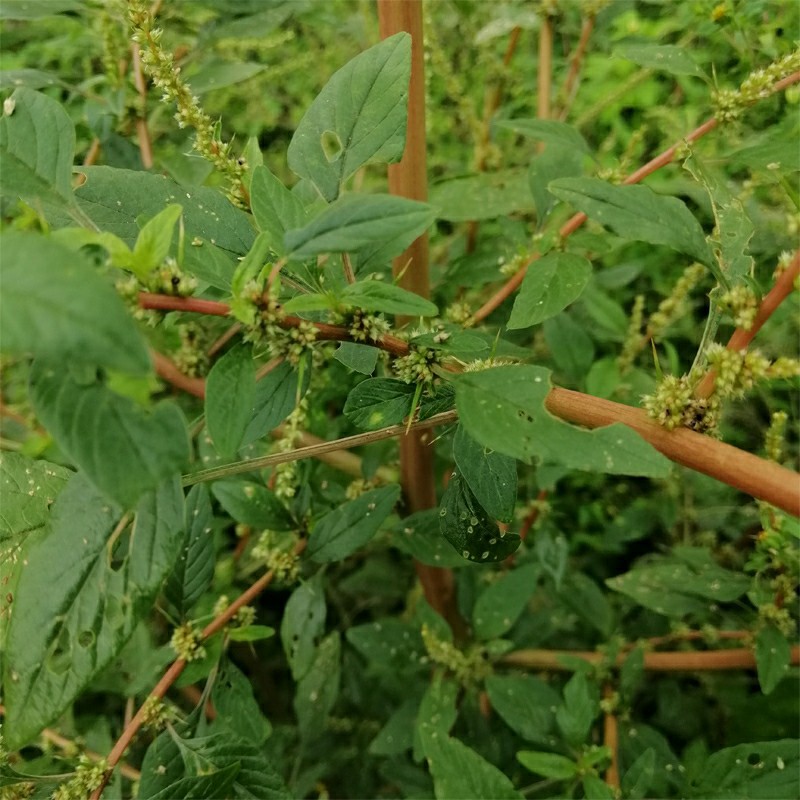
74 613
27 490
29 78
210 784
358 118
125 450
468 528
491 476
550 765
764 770
578 712
549 286
636 213
390 643
275 209
485 196
236 706
192 573
595 788
386 297
397 735
549 131
357 221
37 142
501 603
251 633
357 357
436 714
350 526
503 408
219 74
525 704
230 395
638 777
667 57
773 655
31 9
555 162
277 393
586 599
379 402
155 240
571 347
252 504
318 689
55 305
681 584
419 536
302 625
459 772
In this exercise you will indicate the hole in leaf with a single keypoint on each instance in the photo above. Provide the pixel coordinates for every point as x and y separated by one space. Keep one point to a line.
753 759
86 638
331 145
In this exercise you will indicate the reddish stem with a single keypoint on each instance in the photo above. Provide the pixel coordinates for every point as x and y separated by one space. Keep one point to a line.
611 740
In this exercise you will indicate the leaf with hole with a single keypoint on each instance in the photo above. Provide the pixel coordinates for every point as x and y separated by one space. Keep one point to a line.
378 402
303 623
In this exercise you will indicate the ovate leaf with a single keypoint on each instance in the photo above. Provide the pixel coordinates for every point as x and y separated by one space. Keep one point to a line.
485 196
549 765
236 705
73 613
252 504
124 450
55 305
636 213
302 624
525 704
550 285
275 209
318 689
378 402
276 395
773 655
555 162
578 711
499 605
360 116
154 240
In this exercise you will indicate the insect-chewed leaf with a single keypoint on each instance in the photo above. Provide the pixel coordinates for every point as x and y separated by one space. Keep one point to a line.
465 524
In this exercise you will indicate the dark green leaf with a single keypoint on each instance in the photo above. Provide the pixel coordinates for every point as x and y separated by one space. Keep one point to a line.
436 714
636 213
773 655
252 504
230 396
277 393
555 162
580 707
124 449
595 788
236 706
666 57
379 402
386 297
350 526
499 605
525 704
192 787
54 305
570 346
549 131
275 209
389 643
317 690
419 536
468 528
636 780
586 599
549 286
397 735
302 625
358 357
74 613
194 568
549 765
359 117
485 196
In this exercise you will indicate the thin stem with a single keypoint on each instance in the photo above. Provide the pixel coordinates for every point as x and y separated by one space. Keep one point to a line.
545 74
611 740
92 153
570 88
145 146
348 268
224 339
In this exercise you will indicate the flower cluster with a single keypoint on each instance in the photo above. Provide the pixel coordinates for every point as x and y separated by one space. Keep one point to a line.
170 279
468 668
672 306
244 616
364 327
88 777
673 405
358 487
160 66
191 357
633 339
773 441
741 303
187 642
417 366
156 713
276 551
781 618
738 372
286 474
460 313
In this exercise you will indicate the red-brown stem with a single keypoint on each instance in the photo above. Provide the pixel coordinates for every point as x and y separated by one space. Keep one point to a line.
741 338
176 668
577 220
169 372
92 153
570 89
545 74
611 740
532 516
224 339
143 134
409 178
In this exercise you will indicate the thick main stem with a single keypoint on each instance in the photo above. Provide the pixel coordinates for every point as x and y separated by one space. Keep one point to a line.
409 178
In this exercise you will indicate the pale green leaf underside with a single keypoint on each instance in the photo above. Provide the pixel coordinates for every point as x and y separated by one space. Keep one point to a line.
666 57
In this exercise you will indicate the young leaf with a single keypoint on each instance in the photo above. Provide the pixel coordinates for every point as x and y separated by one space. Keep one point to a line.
773 655
386 297
252 504
549 131
578 712
636 213
359 117
237 709
525 704
73 614
549 765
230 395
378 402
350 526
275 209
302 624
194 568
666 57
468 528
55 305
318 689
491 476
549 286
154 240
500 604
125 450
37 144
503 408
356 221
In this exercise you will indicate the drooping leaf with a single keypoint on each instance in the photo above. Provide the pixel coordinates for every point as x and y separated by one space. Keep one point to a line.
194 568
379 402
252 504
666 57
236 707
468 528
485 196
549 765
550 285
503 408
500 604
318 689
55 305
275 209
357 221
350 526
636 213
386 297
73 614
124 450
230 395
525 704
773 655
302 624
549 131
359 117
491 476
37 144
